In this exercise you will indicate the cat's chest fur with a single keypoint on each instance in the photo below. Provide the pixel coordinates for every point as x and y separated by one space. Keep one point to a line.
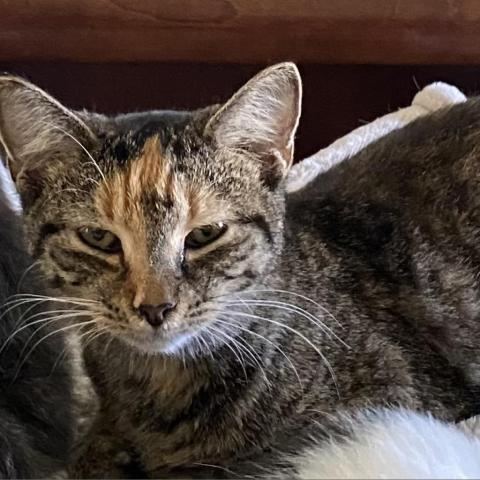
164 409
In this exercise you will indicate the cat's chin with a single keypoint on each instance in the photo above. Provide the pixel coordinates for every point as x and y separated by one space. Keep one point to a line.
156 344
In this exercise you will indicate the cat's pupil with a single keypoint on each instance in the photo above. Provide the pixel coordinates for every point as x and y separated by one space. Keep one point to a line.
207 231
98 234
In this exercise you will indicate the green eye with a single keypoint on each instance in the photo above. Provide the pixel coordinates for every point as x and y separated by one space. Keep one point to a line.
202 236
100 239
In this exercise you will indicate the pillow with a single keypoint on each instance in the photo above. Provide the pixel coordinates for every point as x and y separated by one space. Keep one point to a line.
431 98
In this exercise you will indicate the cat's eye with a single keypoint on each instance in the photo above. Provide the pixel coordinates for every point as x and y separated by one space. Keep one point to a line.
202 236
100 239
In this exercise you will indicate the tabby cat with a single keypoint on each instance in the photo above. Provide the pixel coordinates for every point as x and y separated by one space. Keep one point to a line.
238 325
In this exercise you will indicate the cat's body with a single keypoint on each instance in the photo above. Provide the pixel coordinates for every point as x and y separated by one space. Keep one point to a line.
37 428
385 263
273 318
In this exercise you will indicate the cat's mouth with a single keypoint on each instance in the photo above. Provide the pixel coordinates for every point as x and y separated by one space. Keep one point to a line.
180 333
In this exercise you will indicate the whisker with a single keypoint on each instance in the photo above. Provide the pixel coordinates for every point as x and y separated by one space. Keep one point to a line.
93 161
24 317
293 308
274 345
245 303
38 300
250 351
56 299
25 273
299 334
12 305
63 329
15 304
241 361
49 319
96 334
45 322
25 321
299 295
205 343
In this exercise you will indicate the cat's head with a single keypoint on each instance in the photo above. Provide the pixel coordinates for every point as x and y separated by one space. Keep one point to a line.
157 218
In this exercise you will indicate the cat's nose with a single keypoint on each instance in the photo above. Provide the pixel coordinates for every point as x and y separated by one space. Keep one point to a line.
155 314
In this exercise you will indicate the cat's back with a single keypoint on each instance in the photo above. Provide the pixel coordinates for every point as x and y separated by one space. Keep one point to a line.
431 164
400 224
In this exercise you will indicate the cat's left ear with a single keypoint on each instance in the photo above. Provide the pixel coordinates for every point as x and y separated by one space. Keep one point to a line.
262 118
34 126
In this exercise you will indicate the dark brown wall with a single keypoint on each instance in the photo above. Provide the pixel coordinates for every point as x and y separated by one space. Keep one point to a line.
336 98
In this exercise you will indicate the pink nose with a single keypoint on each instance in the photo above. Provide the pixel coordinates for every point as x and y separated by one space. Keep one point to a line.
155 314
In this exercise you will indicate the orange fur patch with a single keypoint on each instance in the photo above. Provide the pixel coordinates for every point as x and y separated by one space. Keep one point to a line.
119 197
119 203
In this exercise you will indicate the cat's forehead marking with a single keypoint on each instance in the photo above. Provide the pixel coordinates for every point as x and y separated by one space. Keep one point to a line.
120 203
120 196
152 206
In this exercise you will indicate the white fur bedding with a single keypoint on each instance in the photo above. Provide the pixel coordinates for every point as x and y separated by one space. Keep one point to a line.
396 444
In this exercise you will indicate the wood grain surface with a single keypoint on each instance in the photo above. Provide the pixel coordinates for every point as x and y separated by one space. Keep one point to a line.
242 31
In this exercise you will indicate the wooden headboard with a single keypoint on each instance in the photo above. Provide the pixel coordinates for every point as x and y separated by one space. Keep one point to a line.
359 58
242 31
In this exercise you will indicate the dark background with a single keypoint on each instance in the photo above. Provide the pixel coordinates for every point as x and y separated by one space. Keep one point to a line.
337 98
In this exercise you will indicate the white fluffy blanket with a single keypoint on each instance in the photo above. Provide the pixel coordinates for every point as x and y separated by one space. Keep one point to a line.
396 444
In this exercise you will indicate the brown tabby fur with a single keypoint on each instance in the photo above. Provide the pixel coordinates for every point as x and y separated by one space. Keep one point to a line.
359 291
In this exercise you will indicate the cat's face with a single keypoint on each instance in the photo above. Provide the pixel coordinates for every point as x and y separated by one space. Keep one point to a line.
155 219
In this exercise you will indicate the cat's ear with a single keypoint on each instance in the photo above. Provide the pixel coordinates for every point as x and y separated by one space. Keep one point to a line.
262 117
34 127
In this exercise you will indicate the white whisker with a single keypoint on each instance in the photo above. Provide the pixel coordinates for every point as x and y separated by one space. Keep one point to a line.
256 358
54 299
25 273
63 329
46 321
299 334
241 361
38 300
69 135
292 308
205 343
274 345
299 295
96 333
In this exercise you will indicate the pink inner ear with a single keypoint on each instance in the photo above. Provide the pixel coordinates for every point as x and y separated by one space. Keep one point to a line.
34 127
263 115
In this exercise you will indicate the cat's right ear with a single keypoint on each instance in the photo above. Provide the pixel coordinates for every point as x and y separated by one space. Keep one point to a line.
262 118
34 127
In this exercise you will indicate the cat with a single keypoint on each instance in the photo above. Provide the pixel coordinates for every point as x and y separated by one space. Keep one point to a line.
238 325
37 421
